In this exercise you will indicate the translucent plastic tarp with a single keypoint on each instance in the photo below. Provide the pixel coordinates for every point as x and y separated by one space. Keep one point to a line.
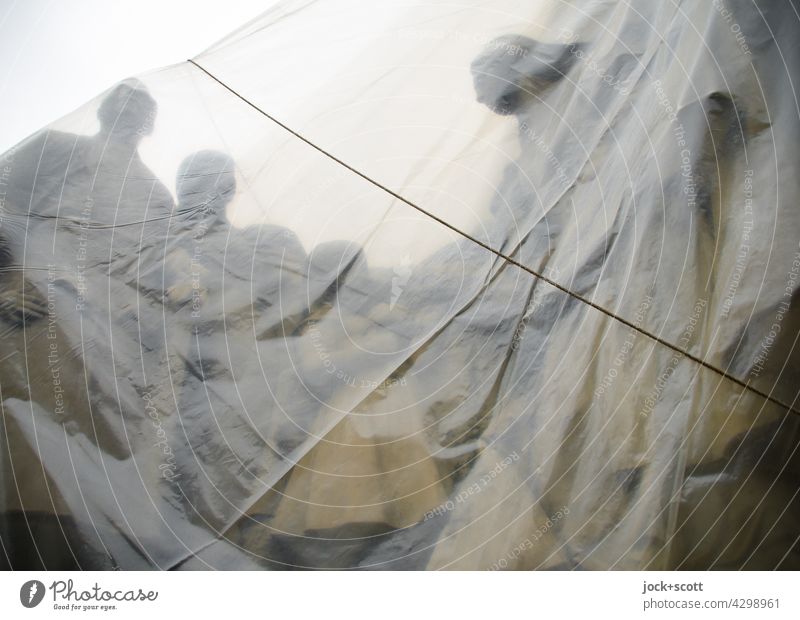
400 285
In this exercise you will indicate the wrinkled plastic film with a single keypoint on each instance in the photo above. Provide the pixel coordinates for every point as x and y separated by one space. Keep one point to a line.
625 147
225 349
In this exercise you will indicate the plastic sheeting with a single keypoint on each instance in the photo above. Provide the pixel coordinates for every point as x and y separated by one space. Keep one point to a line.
415 286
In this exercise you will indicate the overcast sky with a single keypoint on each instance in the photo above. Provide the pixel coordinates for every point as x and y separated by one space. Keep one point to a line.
56 54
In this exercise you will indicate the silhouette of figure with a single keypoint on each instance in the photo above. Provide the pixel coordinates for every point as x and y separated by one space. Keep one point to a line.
63 194
205 246
226 293
99 181
587 237
76 210
81 203
516 70
512 76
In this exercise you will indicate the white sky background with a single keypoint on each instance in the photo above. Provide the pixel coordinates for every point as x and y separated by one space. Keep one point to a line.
57 54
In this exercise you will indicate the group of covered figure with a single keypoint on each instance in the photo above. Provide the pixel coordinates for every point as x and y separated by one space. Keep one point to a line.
180 392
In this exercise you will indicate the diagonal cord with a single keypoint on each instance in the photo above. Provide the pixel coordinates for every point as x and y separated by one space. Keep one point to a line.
744 384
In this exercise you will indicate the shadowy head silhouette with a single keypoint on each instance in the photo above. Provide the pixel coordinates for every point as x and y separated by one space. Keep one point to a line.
514 70
206 182
128 111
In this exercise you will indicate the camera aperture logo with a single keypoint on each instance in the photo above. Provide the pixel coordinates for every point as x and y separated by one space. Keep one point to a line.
66 597
31 593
